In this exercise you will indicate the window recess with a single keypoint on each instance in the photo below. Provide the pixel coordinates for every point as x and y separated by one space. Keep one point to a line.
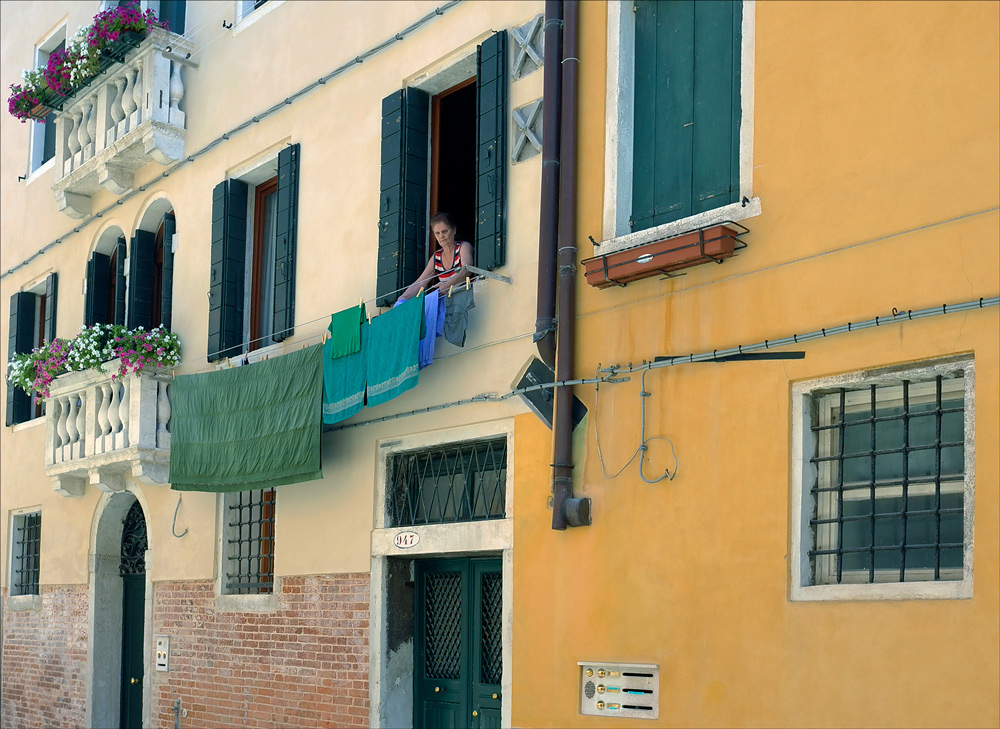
32 322
25 554
467 174
249 547
106 295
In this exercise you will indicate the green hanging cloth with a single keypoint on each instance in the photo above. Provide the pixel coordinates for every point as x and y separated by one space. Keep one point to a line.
249 427
345 332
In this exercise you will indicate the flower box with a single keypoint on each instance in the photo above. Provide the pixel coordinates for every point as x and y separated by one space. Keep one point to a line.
706 245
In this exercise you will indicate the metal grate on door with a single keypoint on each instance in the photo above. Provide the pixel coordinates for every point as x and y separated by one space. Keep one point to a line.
134 543
492 638
453 483
443 638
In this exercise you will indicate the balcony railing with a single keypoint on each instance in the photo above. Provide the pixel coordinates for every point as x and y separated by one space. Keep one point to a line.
128 117
97 430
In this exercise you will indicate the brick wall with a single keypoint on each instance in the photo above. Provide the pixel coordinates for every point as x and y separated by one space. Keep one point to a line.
305 664
45 661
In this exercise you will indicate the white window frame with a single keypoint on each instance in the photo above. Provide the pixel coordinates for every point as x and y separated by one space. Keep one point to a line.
36 145
618 140
806 399
21 602
247 15
230 602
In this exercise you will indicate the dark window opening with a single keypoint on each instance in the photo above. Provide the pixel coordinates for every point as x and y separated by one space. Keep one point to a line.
112 288
262 267
173 12
27 549
250 545
42 301
453 158
49 138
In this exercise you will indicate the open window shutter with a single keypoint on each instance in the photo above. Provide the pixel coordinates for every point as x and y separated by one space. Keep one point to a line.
51 296
285 236
119 312
142 260
491 146
717 112
403 192
226 292
98 282
20 340
173 11
167 275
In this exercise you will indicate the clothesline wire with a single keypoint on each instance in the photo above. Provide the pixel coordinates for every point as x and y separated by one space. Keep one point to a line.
472 280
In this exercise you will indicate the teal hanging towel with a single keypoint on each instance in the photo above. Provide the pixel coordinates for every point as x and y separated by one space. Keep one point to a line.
344 380
391 347
249 427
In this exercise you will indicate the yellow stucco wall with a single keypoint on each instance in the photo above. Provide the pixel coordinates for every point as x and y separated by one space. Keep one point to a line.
324 525
875 130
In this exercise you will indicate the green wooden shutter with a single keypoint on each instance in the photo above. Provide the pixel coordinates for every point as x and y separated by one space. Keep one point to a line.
285 238
167 272
687 109
142 261
20 341
491 150
98 283
226 292
120 292
173 11
51 299
402 192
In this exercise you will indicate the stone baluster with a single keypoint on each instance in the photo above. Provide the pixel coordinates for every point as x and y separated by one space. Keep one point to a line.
72 431
80 449
138 91
163 415
123 410
117 112
62 430
176 116
128 99
114 402
62 150
84 131
92 128
53 409
103 392
73 140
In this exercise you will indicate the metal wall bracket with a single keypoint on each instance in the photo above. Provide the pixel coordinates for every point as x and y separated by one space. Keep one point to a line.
489 274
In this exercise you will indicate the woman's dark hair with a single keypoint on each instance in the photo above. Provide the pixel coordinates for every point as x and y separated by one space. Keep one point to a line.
442 218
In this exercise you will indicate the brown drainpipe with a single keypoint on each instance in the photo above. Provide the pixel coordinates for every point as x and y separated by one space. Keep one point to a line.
567 510
545 322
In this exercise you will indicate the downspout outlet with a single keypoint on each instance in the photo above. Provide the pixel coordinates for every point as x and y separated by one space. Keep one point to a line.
577 511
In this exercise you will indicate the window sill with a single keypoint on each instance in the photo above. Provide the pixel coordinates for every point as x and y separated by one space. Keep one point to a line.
248 603
252 17
952 590
28 424
24 603
730 213
40 171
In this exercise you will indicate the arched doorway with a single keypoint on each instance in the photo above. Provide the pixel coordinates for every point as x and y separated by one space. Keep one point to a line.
118 608
133 573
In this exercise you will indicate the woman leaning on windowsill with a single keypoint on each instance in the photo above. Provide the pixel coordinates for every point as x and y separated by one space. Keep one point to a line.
449 262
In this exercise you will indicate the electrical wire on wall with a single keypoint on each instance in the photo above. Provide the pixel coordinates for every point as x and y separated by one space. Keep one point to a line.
643 440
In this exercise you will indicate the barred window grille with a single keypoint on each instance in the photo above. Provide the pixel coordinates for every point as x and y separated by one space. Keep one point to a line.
250 542
452 483
26 553
890 482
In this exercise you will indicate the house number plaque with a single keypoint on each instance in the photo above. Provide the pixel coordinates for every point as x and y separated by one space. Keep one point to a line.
405 540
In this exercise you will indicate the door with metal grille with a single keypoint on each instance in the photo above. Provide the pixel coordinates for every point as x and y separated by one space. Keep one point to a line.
458 660
133 573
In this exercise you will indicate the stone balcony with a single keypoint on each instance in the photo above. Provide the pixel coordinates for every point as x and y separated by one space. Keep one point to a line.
126 118
98 430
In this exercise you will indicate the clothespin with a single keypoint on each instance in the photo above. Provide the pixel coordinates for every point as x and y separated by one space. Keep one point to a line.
450 289
421 291
468 282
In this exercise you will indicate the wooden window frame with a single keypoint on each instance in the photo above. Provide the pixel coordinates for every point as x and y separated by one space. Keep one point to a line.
259 226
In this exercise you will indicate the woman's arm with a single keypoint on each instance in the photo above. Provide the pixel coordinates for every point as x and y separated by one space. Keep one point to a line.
423 280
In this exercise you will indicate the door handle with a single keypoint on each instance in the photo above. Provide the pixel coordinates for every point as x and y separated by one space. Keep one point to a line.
475 713
134 680
496 696
436 689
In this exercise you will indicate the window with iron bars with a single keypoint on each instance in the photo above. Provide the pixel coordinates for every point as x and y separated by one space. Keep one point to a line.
25 553
450 483
889 493
249 567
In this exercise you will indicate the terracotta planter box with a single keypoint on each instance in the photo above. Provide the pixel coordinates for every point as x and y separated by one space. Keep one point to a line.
683 251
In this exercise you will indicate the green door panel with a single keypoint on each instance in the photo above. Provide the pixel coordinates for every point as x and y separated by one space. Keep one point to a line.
133 605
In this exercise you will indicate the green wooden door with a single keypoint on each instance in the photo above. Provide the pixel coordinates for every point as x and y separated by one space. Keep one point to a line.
458 664
133 573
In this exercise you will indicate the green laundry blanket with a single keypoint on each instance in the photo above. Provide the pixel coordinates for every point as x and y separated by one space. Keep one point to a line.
345 332
249 427
343 381
391 346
